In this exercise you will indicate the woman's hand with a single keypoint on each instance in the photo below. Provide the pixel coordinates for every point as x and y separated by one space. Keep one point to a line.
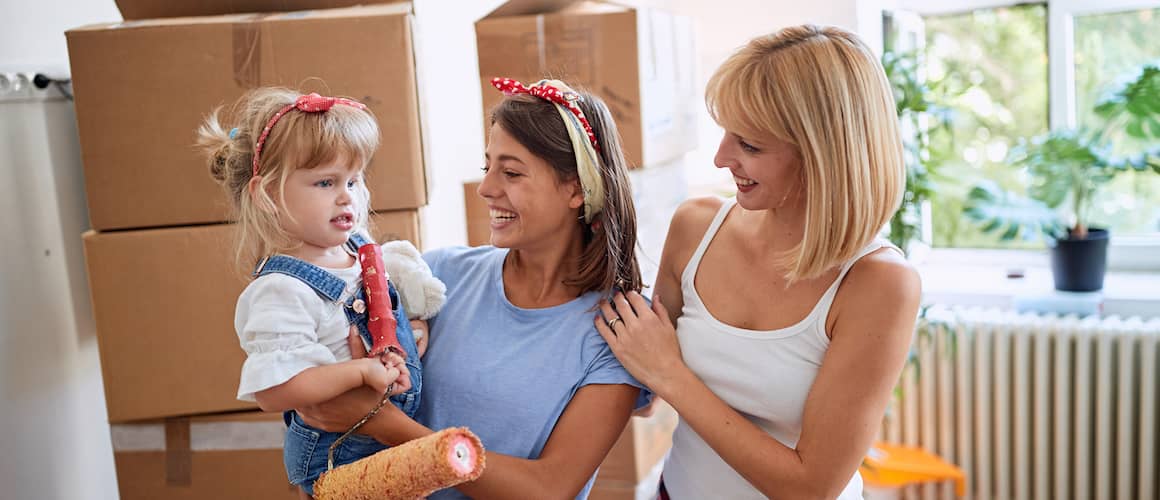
642 338
419 327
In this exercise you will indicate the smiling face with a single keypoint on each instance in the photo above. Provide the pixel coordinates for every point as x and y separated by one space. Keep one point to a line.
529 206
767 171
321 205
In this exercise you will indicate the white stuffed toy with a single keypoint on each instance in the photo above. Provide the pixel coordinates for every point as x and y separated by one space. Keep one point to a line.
421 292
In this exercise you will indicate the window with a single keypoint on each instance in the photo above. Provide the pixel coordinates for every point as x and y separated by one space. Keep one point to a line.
1010 70
1108 47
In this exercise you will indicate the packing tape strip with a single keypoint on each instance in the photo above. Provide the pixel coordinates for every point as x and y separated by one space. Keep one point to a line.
178 456
203 436
247 51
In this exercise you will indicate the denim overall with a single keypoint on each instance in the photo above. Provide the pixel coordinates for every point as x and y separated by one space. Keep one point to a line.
305 449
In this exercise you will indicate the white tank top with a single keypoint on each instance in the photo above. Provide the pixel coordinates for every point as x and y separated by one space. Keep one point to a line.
764 375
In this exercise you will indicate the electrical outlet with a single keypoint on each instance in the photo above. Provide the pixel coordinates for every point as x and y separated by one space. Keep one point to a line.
16 85
23 85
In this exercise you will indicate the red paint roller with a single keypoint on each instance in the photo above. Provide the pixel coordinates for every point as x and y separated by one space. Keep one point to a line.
380 320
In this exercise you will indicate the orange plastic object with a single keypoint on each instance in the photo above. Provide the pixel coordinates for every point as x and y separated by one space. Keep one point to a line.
895 466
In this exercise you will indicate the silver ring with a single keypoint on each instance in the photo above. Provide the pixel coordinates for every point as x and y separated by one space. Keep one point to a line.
612 322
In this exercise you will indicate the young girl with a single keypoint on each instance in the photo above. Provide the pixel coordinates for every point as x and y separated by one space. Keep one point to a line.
293 168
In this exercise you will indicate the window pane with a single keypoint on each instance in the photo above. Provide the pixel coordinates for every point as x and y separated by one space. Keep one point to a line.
1108 47
992 65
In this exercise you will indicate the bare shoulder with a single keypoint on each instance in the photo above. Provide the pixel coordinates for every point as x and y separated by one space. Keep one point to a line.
884 275
882 289
688 226
693 217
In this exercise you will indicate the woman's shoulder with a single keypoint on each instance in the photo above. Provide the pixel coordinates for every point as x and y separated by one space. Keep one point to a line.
883 276
692 218
701 209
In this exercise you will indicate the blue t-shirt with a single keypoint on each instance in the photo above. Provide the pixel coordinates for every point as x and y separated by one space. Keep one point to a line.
505 372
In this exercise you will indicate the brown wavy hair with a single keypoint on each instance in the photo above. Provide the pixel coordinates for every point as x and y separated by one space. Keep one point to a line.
608 259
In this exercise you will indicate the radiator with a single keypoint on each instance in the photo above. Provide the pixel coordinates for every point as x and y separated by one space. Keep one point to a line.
1031 406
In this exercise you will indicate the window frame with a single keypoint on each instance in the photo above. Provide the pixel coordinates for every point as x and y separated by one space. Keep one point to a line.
1125 253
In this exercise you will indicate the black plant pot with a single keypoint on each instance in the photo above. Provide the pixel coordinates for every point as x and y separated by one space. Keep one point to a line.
1078 265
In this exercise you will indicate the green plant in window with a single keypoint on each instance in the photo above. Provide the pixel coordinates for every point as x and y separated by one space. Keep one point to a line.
1067 167
923 122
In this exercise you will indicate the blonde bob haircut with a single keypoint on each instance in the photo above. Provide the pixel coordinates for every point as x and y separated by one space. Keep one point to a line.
822 90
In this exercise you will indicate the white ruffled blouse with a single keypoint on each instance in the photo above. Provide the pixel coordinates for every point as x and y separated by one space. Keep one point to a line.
285 327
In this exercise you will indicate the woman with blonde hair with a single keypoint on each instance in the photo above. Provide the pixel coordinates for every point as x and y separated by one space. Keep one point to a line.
792 319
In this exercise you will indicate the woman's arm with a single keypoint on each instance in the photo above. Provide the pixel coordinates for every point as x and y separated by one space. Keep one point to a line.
583 435
871 334
321 383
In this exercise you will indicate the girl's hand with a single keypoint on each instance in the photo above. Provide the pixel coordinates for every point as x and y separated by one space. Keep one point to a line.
342 412
419 326
377 375
642 338
390 361
394 363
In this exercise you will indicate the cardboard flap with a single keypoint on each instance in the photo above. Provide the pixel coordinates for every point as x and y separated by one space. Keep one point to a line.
152 9
528 7
536 7
339 13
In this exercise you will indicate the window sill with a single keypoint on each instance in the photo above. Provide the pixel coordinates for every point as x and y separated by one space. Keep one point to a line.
980 278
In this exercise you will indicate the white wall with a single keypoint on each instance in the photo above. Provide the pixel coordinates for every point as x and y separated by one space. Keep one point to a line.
50 380
722 27
34 38
452 114
57 444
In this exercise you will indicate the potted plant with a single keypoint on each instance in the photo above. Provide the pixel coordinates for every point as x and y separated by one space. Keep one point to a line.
1067 168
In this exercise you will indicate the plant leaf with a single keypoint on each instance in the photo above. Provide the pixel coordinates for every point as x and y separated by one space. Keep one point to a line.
1001 210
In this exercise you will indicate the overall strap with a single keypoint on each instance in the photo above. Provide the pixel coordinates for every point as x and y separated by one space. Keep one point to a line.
327 285
356 240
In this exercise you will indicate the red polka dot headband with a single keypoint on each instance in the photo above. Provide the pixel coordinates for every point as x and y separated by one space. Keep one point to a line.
584 144
547 92
309 103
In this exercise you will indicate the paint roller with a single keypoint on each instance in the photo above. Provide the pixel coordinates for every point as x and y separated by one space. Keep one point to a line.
411 470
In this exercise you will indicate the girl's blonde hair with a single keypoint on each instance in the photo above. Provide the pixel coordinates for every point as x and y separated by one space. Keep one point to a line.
297 140
822 90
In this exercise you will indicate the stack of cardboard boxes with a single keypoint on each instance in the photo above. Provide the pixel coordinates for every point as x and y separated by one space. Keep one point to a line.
640 62
160 258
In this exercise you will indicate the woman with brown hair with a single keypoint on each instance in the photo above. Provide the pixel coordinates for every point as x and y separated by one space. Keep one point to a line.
792 319
513 354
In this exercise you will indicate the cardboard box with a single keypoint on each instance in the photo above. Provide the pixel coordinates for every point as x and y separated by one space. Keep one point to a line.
477 214
636 454
639 61
143 88
152 9
163 301
227 457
